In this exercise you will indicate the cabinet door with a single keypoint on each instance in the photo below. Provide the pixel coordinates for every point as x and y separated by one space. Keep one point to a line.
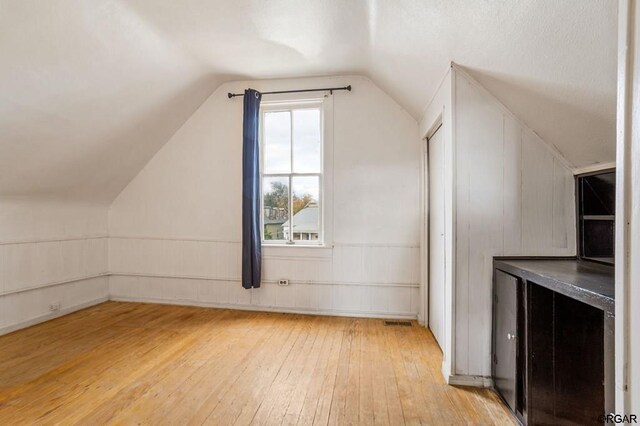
504 336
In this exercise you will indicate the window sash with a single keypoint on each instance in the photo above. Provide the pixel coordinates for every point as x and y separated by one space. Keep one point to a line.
290 176
290 240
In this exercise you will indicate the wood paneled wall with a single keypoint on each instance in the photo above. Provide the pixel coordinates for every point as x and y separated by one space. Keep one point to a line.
514 196
51 252
374 280
506 193
175 231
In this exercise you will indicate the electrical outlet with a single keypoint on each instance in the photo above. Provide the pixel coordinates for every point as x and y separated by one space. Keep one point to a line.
283 282
54 307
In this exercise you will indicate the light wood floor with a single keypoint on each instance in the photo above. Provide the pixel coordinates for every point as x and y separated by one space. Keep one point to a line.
130 363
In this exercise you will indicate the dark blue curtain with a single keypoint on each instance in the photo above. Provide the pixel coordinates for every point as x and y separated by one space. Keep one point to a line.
251 244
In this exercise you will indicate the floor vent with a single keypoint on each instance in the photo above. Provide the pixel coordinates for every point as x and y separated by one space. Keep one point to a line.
398 323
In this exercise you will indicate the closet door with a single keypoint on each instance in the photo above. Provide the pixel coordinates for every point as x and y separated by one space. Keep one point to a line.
436 236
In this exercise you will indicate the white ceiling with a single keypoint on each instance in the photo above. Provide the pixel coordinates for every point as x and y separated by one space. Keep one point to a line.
90 90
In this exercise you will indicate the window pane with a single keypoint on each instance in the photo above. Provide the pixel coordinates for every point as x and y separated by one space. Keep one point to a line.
277 142
275 192
306 141
306 208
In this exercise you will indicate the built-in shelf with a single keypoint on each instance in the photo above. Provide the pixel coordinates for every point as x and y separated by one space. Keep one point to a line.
596 213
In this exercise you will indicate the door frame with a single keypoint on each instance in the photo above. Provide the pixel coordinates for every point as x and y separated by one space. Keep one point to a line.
427 226
440 117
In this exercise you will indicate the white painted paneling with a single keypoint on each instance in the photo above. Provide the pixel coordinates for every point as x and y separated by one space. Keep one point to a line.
40 264
512 186
180 217
479 145
324 298
19 310
462 224
50 252
564 205
314 286
537 196
513 196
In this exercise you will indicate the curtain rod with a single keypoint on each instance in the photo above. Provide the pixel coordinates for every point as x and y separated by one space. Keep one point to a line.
330 89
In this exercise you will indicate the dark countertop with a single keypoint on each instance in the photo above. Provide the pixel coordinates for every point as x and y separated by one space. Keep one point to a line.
588 282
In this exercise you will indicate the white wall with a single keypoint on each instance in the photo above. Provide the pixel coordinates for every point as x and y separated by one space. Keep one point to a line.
175 230
51 251
512 195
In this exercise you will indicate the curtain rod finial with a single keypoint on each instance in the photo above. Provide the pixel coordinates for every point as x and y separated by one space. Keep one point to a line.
349 87
230 95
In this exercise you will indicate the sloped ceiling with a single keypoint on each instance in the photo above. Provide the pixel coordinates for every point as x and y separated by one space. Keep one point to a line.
90 90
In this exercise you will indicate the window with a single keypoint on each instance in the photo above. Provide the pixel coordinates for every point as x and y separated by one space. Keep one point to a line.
596 216
292 173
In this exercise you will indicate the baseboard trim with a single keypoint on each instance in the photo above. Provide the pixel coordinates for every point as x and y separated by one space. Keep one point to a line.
446 371
259 308
473 381
52 315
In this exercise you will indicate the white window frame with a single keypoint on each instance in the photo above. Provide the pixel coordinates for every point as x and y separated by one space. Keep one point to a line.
324 104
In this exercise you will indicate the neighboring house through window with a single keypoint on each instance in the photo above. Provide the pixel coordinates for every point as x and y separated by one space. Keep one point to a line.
292 172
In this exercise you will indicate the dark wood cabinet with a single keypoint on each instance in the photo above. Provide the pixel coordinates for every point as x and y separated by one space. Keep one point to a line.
505 349
552 341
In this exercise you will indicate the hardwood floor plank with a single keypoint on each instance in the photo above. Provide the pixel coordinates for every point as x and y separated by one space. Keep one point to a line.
181 392
132 363
196 398
352 400
276 389
379 360
166 375
300 384
317 406
365 372
339 392
263 371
